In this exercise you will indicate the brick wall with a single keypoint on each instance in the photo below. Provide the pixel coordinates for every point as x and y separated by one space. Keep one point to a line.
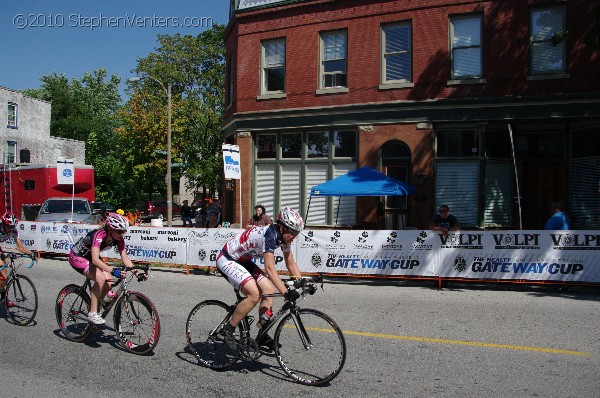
505 43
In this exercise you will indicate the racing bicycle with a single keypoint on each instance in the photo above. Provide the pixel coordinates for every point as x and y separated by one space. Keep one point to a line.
135 318
309 345
19 290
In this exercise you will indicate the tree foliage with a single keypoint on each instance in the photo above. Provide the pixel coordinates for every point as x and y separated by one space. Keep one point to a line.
195 68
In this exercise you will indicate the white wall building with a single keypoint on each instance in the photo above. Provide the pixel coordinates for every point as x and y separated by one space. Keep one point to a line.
25 132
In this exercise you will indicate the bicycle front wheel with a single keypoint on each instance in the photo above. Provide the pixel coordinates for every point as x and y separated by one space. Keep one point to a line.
72 306
310 347
137 323
21 292
202 334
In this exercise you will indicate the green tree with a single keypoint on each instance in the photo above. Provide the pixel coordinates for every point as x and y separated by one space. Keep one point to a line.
195 68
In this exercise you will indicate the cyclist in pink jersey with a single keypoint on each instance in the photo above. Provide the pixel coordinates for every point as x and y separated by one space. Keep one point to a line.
85 259
235 263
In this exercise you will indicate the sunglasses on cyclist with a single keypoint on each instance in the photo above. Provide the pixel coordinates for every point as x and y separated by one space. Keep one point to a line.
292 232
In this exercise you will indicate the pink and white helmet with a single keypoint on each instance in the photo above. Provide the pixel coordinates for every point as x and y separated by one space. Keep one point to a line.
290 218
9 219
116 222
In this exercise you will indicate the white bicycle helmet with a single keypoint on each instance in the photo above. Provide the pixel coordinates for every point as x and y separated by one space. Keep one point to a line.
290 218
116 222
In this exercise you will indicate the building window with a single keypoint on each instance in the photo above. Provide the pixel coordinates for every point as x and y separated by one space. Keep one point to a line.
317 145
334 62
273 66
266 146
547 57
12 115
291 145
465 46
11 152
396 53
29 185
457 143
299 161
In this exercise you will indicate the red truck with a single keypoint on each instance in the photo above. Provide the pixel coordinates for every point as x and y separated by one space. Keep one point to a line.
27 186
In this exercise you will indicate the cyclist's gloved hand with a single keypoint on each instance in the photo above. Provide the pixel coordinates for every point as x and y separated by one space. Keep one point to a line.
291 295
116 272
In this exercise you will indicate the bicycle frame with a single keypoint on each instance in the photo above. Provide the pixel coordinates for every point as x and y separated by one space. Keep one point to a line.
12 269
121 291
288 306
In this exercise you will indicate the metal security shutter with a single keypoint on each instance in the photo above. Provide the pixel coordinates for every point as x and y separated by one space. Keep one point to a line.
456 186
584 203
497 200
265 188
290 190
347 204
316 174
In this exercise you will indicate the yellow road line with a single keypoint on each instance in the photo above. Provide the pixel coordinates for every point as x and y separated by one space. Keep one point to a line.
468 343
458 342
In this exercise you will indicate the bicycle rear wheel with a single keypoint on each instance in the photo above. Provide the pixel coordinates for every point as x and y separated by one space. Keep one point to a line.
202 334
72 306
137 323
311 347
21 292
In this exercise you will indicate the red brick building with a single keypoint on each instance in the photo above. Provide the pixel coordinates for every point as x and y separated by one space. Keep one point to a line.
423 91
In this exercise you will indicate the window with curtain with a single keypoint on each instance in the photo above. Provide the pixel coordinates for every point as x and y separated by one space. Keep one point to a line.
465 40
273 66
547 57
396 53
334 60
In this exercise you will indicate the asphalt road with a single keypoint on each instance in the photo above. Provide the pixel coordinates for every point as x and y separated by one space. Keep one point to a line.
404 339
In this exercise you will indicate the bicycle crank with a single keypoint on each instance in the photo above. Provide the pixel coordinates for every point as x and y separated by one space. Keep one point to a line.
248 348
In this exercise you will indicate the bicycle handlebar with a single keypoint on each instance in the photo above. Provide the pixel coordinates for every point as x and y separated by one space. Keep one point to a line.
140 277
306 285
13 256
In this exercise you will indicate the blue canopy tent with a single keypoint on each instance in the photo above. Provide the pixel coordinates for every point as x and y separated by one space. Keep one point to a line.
361 182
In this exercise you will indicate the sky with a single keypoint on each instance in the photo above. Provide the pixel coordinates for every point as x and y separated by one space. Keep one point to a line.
71 37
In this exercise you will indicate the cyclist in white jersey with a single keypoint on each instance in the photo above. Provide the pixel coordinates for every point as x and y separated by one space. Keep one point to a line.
9 233
235 263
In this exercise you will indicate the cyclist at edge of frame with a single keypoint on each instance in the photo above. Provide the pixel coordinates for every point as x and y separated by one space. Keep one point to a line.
8 232
85 259
235 263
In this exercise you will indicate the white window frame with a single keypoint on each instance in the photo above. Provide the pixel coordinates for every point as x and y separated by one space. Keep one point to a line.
14 122
475 45
280 46
403 52
546 40
323 36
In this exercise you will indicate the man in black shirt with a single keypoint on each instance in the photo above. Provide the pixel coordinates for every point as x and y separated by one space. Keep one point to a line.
444 221
186 214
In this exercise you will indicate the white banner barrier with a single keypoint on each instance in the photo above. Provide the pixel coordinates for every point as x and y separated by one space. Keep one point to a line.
507 255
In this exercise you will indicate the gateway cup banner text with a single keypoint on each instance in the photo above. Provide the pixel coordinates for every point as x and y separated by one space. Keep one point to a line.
567 256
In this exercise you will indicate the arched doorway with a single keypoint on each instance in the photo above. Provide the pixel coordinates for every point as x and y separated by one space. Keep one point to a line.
395 160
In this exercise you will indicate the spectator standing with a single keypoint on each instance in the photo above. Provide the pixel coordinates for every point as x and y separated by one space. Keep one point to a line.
260 218
186 214
559 220
444 221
